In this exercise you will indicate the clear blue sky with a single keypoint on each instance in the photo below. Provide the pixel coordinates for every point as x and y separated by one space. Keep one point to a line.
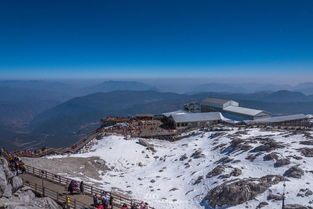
101 38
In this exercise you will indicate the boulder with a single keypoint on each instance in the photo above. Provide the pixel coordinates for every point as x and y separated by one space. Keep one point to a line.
17 183
183 157
307 152
296 206
268 145
7 191
25 196
308 142
224 160
197 154
281 162
218 170
261 205
45 202
271 156
275 197
146 144
238 191
294 172
3 180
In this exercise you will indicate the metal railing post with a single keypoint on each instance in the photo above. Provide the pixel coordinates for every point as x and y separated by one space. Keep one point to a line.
74 203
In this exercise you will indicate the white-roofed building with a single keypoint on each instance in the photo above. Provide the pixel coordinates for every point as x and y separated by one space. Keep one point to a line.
247 112
214 104
288 120
232 110
181 119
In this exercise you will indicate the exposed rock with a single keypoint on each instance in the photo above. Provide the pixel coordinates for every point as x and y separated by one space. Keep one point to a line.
197 154
296 206
17 183
3 180
218 170
274 197
13 195
252 157
146 144
261 205
7 191
224 160
309 142
281 162
294 172
268 145
237 144
198 181
183 157
307 152
236 192
236 172
271 156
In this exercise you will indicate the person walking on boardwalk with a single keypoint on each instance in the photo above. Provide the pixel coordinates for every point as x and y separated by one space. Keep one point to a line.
71 187
95 200
23 168
81 187
134 206
111 201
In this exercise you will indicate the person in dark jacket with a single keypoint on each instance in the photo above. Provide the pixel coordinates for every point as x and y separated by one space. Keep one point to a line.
95 200
111 201
71 187
81 187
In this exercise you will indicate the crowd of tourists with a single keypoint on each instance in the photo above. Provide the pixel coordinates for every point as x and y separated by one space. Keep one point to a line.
16 165
105 201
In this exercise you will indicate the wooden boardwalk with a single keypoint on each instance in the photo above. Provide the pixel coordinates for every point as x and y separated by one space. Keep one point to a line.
55 186
57 192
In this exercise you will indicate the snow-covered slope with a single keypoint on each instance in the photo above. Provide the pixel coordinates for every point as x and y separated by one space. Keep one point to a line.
179 174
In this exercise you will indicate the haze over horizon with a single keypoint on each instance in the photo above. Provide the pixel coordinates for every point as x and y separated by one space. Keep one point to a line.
157 39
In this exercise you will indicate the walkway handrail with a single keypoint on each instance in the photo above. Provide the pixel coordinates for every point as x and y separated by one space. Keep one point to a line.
64 200
88 189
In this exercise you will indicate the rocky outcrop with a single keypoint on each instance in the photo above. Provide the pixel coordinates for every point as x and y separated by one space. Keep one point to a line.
307 152
218 170
274 197
268 146
271 156
13 195
236 192
296 206
147 145
197 154
261 205
281 162
294 172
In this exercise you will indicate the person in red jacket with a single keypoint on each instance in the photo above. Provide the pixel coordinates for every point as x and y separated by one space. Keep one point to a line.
124 206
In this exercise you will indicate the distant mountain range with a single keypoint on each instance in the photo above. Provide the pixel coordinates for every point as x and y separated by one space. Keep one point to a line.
305 88
108 86
77 116
58 113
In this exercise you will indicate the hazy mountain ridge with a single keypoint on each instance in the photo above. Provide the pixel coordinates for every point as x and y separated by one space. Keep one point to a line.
56 114
67 119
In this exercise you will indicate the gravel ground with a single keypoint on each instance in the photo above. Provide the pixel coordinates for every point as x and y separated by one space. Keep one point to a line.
91 167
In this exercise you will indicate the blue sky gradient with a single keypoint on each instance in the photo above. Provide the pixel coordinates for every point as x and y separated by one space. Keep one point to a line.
166 38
